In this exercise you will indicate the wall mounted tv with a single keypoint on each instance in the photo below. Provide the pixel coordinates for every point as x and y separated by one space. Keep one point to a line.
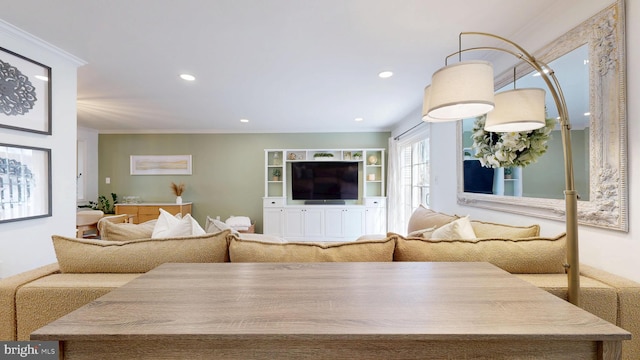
324 180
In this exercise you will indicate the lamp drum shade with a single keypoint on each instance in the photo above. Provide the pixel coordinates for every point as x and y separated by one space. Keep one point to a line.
462 90
517 110
425 105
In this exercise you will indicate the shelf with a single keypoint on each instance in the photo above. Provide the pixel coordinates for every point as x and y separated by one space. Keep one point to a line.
281 159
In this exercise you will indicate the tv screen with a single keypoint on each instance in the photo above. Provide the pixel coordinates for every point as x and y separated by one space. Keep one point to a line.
324 180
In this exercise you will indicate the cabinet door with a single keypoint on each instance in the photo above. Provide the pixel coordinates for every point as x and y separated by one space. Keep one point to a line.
352 223
293 223
273 221
313 222
333 223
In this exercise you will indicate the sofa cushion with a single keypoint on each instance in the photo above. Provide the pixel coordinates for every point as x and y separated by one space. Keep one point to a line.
360 251
596 297
535 255
8 288
457 229
491 230
137 256
628 292
126 231
423 218
259 237
44 300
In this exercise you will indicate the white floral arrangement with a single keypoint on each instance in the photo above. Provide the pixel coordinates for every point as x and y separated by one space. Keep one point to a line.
510 149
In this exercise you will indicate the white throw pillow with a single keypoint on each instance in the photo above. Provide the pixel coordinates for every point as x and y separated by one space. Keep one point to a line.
460 229
214 225
171 226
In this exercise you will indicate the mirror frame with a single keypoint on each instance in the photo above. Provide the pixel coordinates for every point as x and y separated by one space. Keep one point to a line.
607 207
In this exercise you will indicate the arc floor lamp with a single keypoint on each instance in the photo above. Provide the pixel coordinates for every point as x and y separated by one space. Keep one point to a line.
465 90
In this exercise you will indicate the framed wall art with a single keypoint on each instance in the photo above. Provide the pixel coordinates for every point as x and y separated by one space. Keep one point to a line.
161 165
25 94
25 182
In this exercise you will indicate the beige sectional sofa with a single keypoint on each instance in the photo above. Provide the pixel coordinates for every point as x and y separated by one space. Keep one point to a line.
88 269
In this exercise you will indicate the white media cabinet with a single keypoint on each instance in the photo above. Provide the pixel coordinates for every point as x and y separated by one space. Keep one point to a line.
324 221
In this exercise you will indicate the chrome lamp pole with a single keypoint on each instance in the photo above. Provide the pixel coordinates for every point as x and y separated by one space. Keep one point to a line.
465 90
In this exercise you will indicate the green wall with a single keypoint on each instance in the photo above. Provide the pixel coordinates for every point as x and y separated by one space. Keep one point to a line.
545 178
228 169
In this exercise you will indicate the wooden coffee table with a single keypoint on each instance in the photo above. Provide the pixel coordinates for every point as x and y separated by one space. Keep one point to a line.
331 311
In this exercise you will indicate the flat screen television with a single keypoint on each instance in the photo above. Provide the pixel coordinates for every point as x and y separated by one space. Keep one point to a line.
324 180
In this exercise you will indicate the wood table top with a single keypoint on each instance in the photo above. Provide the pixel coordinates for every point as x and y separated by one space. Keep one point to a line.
422 301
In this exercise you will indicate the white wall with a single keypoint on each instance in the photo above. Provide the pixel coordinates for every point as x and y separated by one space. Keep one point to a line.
27 244
614 251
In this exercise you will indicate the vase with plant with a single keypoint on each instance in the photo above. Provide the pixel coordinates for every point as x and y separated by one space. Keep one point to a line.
177 189
276 174
322 156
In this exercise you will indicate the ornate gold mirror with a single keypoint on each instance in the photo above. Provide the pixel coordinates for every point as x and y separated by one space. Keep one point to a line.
596 100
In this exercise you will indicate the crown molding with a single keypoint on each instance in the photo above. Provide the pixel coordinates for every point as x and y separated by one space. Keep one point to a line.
19 34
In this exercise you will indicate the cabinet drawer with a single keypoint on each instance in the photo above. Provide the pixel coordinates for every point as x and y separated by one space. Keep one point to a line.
131 210
375 202
151 210
273 202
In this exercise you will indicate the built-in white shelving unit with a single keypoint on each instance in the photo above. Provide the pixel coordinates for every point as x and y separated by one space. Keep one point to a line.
333 221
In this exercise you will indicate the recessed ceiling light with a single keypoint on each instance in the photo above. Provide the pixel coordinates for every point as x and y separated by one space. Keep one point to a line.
587 114
385 74
187 77
359 119
244 120
42 77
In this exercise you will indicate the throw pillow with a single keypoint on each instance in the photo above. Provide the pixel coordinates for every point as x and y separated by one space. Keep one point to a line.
534 255
170 226
423 218
137 256
491 230
456 230
425 233
358 251
126 231
214 225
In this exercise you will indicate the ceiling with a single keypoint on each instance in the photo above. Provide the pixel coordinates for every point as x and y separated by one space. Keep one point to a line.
285 65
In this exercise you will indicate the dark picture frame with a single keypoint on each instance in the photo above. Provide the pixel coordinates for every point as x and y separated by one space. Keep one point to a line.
25 93
25 182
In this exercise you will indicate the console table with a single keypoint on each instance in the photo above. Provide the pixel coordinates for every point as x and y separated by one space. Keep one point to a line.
395 310
149 211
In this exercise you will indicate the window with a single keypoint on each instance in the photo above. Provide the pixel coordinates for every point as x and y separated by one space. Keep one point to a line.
408 176
415 176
